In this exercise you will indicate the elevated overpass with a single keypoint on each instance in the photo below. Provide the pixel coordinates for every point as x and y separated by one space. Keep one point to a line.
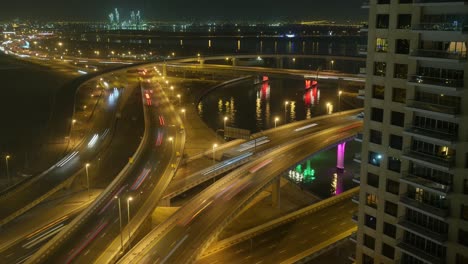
188 232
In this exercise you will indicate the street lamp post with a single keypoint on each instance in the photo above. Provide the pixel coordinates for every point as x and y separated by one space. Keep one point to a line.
128 221
214 151
171 139
225 119
183 112
7 157
172 90
178 96
276 121
120 219
339 101
87 176
286 103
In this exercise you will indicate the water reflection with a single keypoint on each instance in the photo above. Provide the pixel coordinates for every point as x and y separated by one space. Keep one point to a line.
301 174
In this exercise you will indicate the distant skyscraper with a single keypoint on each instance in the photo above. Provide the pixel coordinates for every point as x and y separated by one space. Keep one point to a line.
413 204
117 16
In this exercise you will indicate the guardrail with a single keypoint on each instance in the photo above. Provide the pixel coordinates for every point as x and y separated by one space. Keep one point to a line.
69 230
228 242
321 248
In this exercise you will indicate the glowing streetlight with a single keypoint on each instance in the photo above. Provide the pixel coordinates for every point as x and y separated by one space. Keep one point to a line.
7 157
60 44
214 151
129 199
183 112
172 90
171 139
276 121
120 219
179 96
339 101
286 103
225 119
87 176
329 108
332 64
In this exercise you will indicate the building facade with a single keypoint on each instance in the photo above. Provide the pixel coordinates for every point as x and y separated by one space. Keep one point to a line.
413 203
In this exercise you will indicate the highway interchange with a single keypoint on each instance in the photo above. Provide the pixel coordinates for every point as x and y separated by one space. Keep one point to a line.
182 238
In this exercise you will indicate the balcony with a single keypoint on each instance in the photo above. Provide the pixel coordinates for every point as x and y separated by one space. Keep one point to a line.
445 136
435 82
445 27
431 108
444 163
412 227
436 212
365 4
355 199
364 28
418 253
353 237
359 137
439 55
357 158
361 94
354 218
426 184
362 50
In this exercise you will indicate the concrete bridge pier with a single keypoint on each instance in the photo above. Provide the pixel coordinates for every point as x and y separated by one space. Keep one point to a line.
234 62
165 202
279 63
275 192
164 70
201 61
340 156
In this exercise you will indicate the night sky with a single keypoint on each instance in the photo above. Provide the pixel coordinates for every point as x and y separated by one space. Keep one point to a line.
182 10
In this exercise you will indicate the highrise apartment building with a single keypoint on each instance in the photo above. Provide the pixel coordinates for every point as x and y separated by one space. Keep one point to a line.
413 203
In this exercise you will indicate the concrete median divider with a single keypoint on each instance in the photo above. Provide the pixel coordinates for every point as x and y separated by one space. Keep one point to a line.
228 242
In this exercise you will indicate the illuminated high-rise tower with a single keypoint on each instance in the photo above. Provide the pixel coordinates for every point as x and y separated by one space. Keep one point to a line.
413 203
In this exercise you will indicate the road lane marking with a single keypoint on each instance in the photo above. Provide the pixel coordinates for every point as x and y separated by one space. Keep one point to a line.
282 251
86 253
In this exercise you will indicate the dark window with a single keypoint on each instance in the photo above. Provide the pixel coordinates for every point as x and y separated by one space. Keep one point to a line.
465 186
389 230
373 180
377 114
394 164
380 68
370 221
397 119
463 237
399 95
371 200
464 212
375 137
400 71
367 259
404 21
460 259
393 187
466 160
388 251
391 208
383 2
396 142
382 21
378 92
402 46
375 158
369 241
405 1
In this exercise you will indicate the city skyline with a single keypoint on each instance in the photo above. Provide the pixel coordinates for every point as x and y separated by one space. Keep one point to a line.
87 10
